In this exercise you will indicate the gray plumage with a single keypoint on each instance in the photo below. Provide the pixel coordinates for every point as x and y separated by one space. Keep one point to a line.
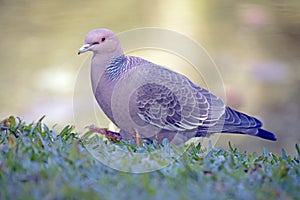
141 96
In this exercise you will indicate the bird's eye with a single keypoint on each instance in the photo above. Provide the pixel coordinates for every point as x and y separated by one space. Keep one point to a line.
95 43
103 39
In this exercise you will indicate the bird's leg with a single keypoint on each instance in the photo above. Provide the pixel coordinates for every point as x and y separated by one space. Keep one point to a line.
110 135
137 137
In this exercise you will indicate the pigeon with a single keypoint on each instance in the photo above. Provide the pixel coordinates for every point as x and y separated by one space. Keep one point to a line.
155 102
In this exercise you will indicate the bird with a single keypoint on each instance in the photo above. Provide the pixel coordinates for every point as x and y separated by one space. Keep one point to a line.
155 102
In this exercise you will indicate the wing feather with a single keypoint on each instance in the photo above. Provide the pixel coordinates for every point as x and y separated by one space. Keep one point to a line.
170 101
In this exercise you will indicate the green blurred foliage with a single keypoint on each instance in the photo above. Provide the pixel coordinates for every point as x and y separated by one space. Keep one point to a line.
40 163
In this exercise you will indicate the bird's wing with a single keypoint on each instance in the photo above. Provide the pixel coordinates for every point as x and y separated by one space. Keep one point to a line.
171 101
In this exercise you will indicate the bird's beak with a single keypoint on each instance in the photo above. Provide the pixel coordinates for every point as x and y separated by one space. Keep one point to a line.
84 48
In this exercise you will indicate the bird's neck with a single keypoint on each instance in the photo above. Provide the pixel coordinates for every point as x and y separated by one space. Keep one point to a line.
117 66
100 62
97 68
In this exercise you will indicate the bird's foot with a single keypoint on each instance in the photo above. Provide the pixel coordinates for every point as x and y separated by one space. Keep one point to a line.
110 135
137 138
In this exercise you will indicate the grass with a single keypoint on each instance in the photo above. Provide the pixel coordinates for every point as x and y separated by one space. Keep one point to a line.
37 162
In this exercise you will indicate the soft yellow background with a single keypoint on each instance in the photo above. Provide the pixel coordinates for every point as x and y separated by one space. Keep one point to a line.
255 45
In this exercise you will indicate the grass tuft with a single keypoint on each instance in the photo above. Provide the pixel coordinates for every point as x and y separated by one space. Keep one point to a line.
37 162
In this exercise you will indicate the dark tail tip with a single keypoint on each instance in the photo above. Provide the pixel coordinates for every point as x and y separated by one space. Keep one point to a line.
266 135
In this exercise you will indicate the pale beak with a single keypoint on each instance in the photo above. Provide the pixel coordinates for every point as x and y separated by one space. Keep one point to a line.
84 48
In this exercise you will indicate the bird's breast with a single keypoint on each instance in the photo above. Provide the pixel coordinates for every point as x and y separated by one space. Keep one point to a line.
103 91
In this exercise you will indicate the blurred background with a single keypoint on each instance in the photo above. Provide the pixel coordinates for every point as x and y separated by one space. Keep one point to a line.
255 45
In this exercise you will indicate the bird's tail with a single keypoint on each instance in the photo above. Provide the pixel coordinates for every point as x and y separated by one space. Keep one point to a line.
258 132
237 123
265 134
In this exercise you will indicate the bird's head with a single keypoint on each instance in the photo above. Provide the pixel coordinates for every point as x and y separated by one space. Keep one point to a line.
101 41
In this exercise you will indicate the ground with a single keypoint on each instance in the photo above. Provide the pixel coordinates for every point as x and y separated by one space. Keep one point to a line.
37 162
